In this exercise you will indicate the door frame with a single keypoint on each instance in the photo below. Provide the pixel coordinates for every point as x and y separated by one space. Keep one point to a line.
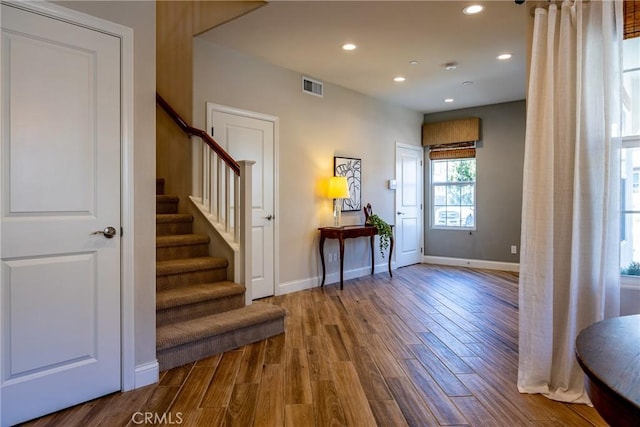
127 254
276 177
418 149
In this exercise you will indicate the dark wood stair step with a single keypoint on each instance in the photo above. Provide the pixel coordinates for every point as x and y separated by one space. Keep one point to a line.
159 185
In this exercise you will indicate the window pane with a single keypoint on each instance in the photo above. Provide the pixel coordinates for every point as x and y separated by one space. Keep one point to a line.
439 171
466 195
630 244
453 195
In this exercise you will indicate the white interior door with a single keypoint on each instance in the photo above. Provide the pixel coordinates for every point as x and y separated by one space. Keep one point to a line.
60 181
409 217
251 138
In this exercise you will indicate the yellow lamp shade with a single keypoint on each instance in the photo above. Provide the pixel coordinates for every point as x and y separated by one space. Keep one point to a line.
338 188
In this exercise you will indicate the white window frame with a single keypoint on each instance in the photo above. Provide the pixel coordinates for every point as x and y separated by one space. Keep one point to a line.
432 205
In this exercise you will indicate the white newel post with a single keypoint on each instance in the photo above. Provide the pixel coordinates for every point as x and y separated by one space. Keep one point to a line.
246 226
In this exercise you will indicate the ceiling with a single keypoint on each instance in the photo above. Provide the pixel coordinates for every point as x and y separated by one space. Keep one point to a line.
306 36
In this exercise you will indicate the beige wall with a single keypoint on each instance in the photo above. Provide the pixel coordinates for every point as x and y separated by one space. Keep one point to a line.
140 16
312 131
177 22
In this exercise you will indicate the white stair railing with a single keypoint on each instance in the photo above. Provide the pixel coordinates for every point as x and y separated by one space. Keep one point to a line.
221 190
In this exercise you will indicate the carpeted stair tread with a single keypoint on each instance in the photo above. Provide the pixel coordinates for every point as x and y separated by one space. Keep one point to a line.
193 294
166 268
168 218
181 240
208 326
163 198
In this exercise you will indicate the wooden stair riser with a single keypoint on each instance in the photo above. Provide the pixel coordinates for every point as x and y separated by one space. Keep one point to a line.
193 311
191 278
181 252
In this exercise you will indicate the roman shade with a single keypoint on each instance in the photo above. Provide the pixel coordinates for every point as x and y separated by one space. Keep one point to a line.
452 139
631 19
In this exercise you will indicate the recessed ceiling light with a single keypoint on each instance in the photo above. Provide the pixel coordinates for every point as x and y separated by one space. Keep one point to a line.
414 62
473 9
448 100
450 66
504 56
467 83
349 46
399 79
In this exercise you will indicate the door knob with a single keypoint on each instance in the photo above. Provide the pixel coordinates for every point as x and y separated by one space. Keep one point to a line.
400 213
269 217
108 232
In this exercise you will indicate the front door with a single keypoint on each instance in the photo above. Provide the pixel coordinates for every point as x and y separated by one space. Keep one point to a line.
59 184
409 217
248 137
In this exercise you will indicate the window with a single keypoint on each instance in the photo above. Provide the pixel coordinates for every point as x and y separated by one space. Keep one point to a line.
630 161
453 193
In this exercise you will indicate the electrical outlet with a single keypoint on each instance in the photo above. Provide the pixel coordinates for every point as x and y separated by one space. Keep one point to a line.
514 249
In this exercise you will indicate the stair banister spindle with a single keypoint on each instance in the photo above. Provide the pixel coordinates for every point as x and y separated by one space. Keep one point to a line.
238 208
227 201
205 176
219 192
213 160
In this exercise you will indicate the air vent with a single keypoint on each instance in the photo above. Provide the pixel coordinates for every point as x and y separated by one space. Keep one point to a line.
312 87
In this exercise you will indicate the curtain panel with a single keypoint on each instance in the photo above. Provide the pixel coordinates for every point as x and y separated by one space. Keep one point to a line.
569 266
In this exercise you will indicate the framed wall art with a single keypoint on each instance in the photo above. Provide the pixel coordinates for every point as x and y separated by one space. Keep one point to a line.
350 168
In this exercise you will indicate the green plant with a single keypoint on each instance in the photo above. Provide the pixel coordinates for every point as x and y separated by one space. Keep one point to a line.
632 270
384 231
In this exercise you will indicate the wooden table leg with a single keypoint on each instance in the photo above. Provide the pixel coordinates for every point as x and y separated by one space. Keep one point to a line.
341 261
390 254
322 259
373 260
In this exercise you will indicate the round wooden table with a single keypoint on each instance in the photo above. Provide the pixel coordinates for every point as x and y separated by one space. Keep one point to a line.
609 354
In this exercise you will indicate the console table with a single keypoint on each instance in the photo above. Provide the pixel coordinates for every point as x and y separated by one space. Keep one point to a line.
350 232
609 354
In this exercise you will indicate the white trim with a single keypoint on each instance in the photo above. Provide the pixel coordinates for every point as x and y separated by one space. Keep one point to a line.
125 34
146 374
276 177
332 278
474 263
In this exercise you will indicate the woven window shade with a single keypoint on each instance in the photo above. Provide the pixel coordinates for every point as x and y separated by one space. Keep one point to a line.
462 150
631 19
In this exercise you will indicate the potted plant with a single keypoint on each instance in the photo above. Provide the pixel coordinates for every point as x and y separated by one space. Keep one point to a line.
384 229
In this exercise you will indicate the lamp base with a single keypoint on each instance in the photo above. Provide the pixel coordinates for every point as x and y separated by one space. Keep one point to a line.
336 212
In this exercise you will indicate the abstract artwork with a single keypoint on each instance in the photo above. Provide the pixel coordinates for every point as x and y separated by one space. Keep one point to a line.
350 168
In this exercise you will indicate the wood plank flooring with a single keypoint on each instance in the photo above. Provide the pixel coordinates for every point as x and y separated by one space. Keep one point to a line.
433 346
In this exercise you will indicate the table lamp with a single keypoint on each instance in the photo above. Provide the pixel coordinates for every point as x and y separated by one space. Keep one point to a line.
338 190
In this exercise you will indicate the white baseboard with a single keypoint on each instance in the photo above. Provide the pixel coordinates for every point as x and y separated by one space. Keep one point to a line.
333 277
474 263
146 374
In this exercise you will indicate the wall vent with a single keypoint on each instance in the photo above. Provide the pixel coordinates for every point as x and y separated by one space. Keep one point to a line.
312 87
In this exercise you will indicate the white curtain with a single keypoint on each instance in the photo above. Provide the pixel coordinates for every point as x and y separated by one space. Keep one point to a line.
569 266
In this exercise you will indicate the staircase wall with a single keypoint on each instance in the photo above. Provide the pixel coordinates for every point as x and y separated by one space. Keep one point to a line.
217 246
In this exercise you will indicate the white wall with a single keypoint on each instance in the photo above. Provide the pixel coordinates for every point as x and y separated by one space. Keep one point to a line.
141 17
312 131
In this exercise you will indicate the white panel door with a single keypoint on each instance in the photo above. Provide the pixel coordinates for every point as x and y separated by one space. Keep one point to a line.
249 138
59 182
409 217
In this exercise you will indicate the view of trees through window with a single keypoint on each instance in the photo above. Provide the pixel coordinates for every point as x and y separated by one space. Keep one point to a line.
453 184
630 157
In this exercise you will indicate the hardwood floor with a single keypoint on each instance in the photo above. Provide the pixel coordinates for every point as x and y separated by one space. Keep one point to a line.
433 346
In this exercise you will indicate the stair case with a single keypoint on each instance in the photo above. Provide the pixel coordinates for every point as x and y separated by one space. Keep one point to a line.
199 312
